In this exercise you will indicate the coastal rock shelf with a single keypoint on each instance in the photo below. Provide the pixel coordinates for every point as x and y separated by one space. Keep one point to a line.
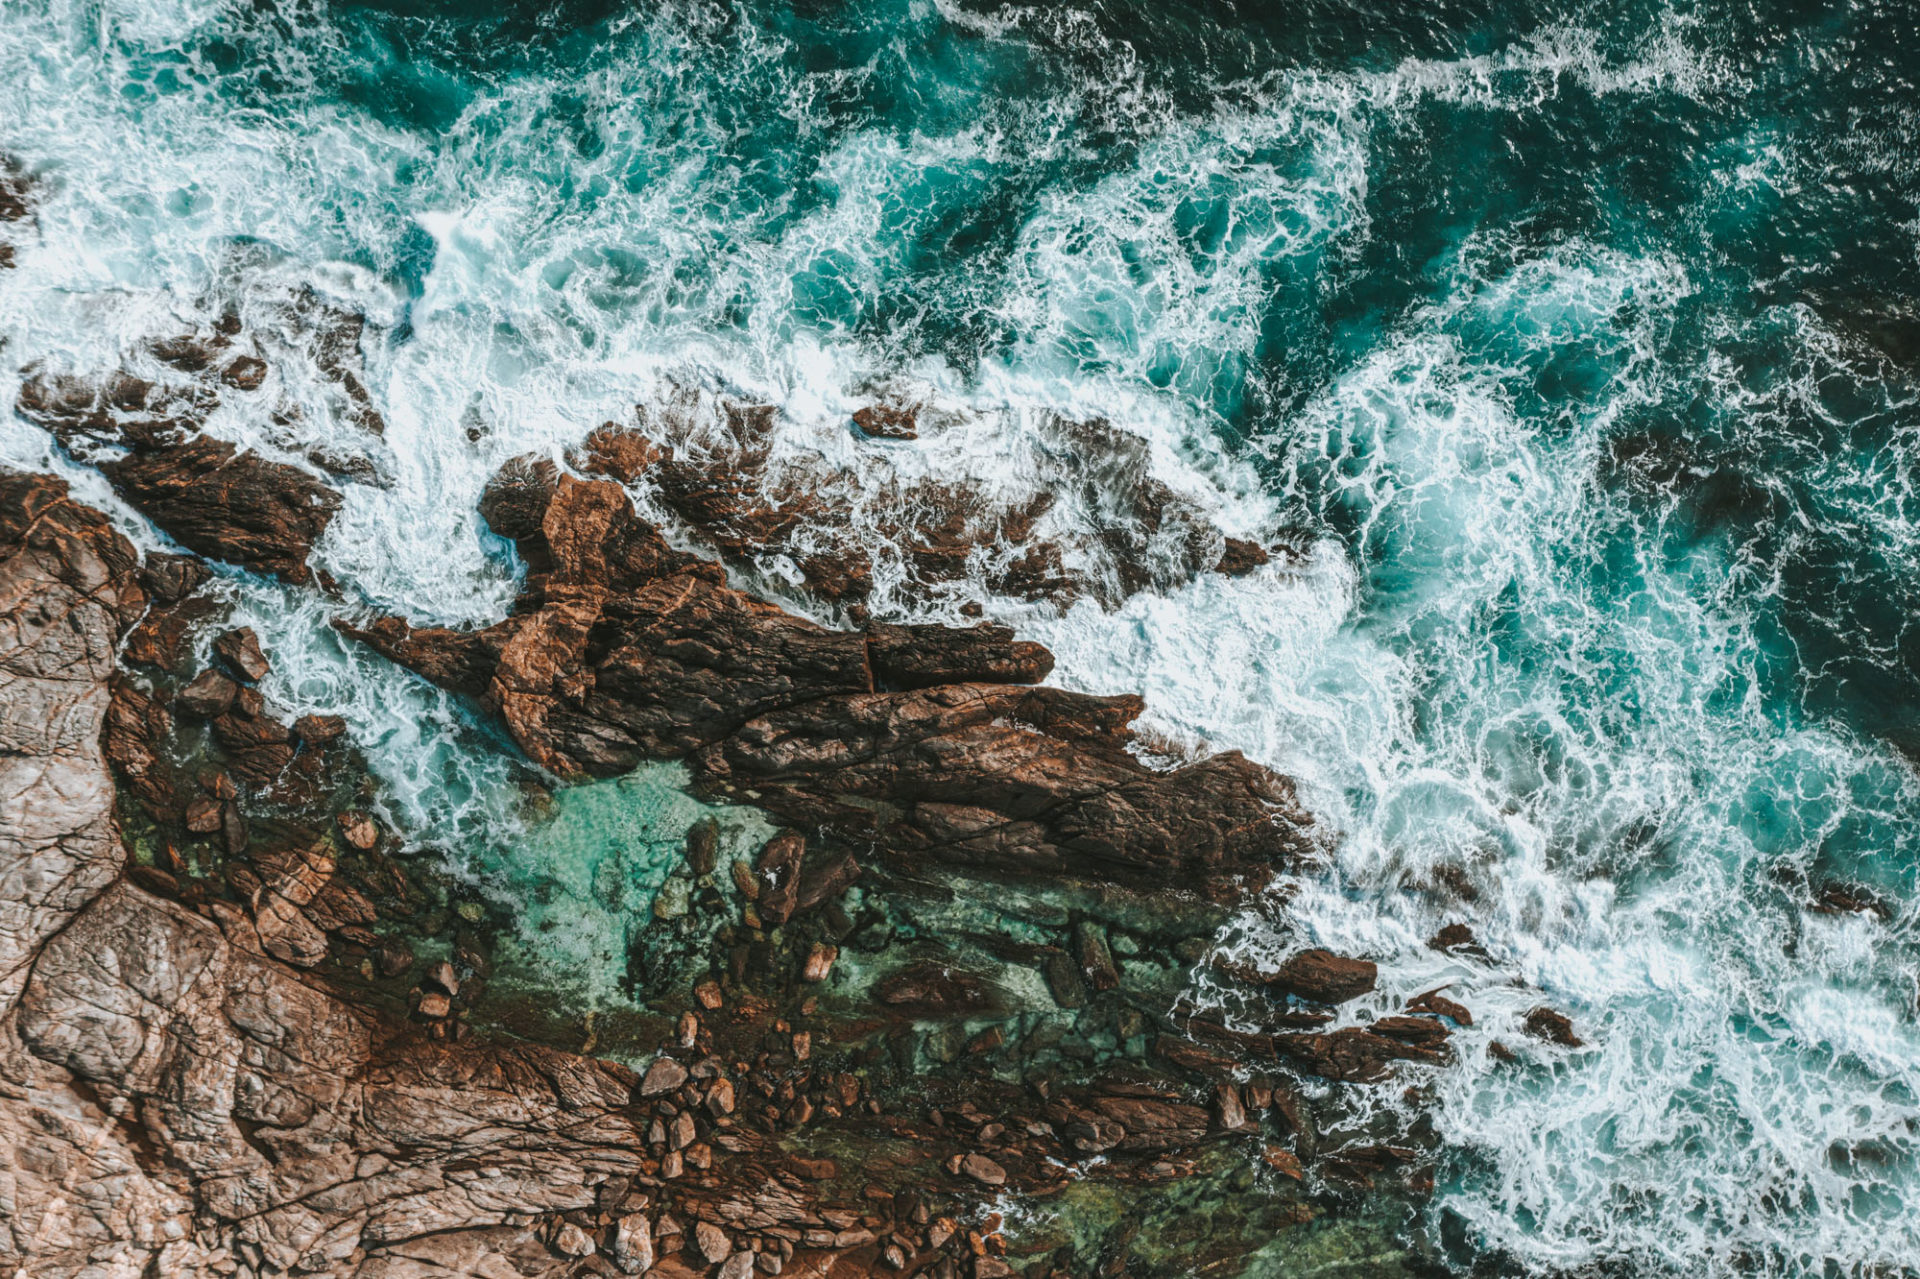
216 1066
921 741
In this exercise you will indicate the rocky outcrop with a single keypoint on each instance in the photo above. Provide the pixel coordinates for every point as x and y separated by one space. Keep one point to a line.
927 742
1086 518
204 1067
67 592
205 493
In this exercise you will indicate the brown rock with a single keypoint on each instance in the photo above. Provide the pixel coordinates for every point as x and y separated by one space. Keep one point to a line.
813 1169
1439 1005
932 988
983 1170
220 502
203 815
908 657
571 1241
1096 960
1240 558
719 1099
206 695
632 1248
1554 1027
315 731
1352 1055
1411 1030
712 1242
888 421
245 373
358 829
240 650
819 962
1325 977
996 776
665 1075
703 847
780 863
442 976
1282 1161
1454 937
1228 1110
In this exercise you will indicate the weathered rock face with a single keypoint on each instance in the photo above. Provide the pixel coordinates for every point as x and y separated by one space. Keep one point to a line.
175 1100
204 492
67 591
923 740
192 1082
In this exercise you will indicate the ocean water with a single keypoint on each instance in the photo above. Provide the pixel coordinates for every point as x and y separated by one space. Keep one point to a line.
1572 350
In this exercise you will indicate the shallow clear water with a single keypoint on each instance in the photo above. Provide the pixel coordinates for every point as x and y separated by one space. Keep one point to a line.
1574 346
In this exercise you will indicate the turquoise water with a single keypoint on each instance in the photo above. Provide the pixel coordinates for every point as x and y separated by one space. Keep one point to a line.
1572 347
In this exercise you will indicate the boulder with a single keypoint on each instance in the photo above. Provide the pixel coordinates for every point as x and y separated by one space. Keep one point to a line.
240 650
206 695
1326 978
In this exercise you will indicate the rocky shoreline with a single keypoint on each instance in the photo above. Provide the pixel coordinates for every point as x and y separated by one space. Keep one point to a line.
222 1055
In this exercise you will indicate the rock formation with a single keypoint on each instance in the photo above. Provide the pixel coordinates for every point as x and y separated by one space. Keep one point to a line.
230 1061
925 741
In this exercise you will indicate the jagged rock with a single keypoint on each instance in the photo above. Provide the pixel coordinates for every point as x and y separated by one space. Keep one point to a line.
819 962
1352 1055
358 829
203 815
1554 1027
189 1105
1240 558
168 579
1282 1161
930 988
780 863
1064 981
319 730
67 592
207 694
1411 1030
665 1075
632 1247
1454 937
261 746
240 650
888 421
997 776
983 1170
1229 1111
204 492
712 1242
245 373
1440 1006
1096 960
908 657
1326 978
824 880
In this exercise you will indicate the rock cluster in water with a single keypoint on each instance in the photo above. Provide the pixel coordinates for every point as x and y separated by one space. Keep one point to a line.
222 1056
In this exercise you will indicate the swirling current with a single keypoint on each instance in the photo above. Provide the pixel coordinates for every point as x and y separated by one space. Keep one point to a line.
1572 349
